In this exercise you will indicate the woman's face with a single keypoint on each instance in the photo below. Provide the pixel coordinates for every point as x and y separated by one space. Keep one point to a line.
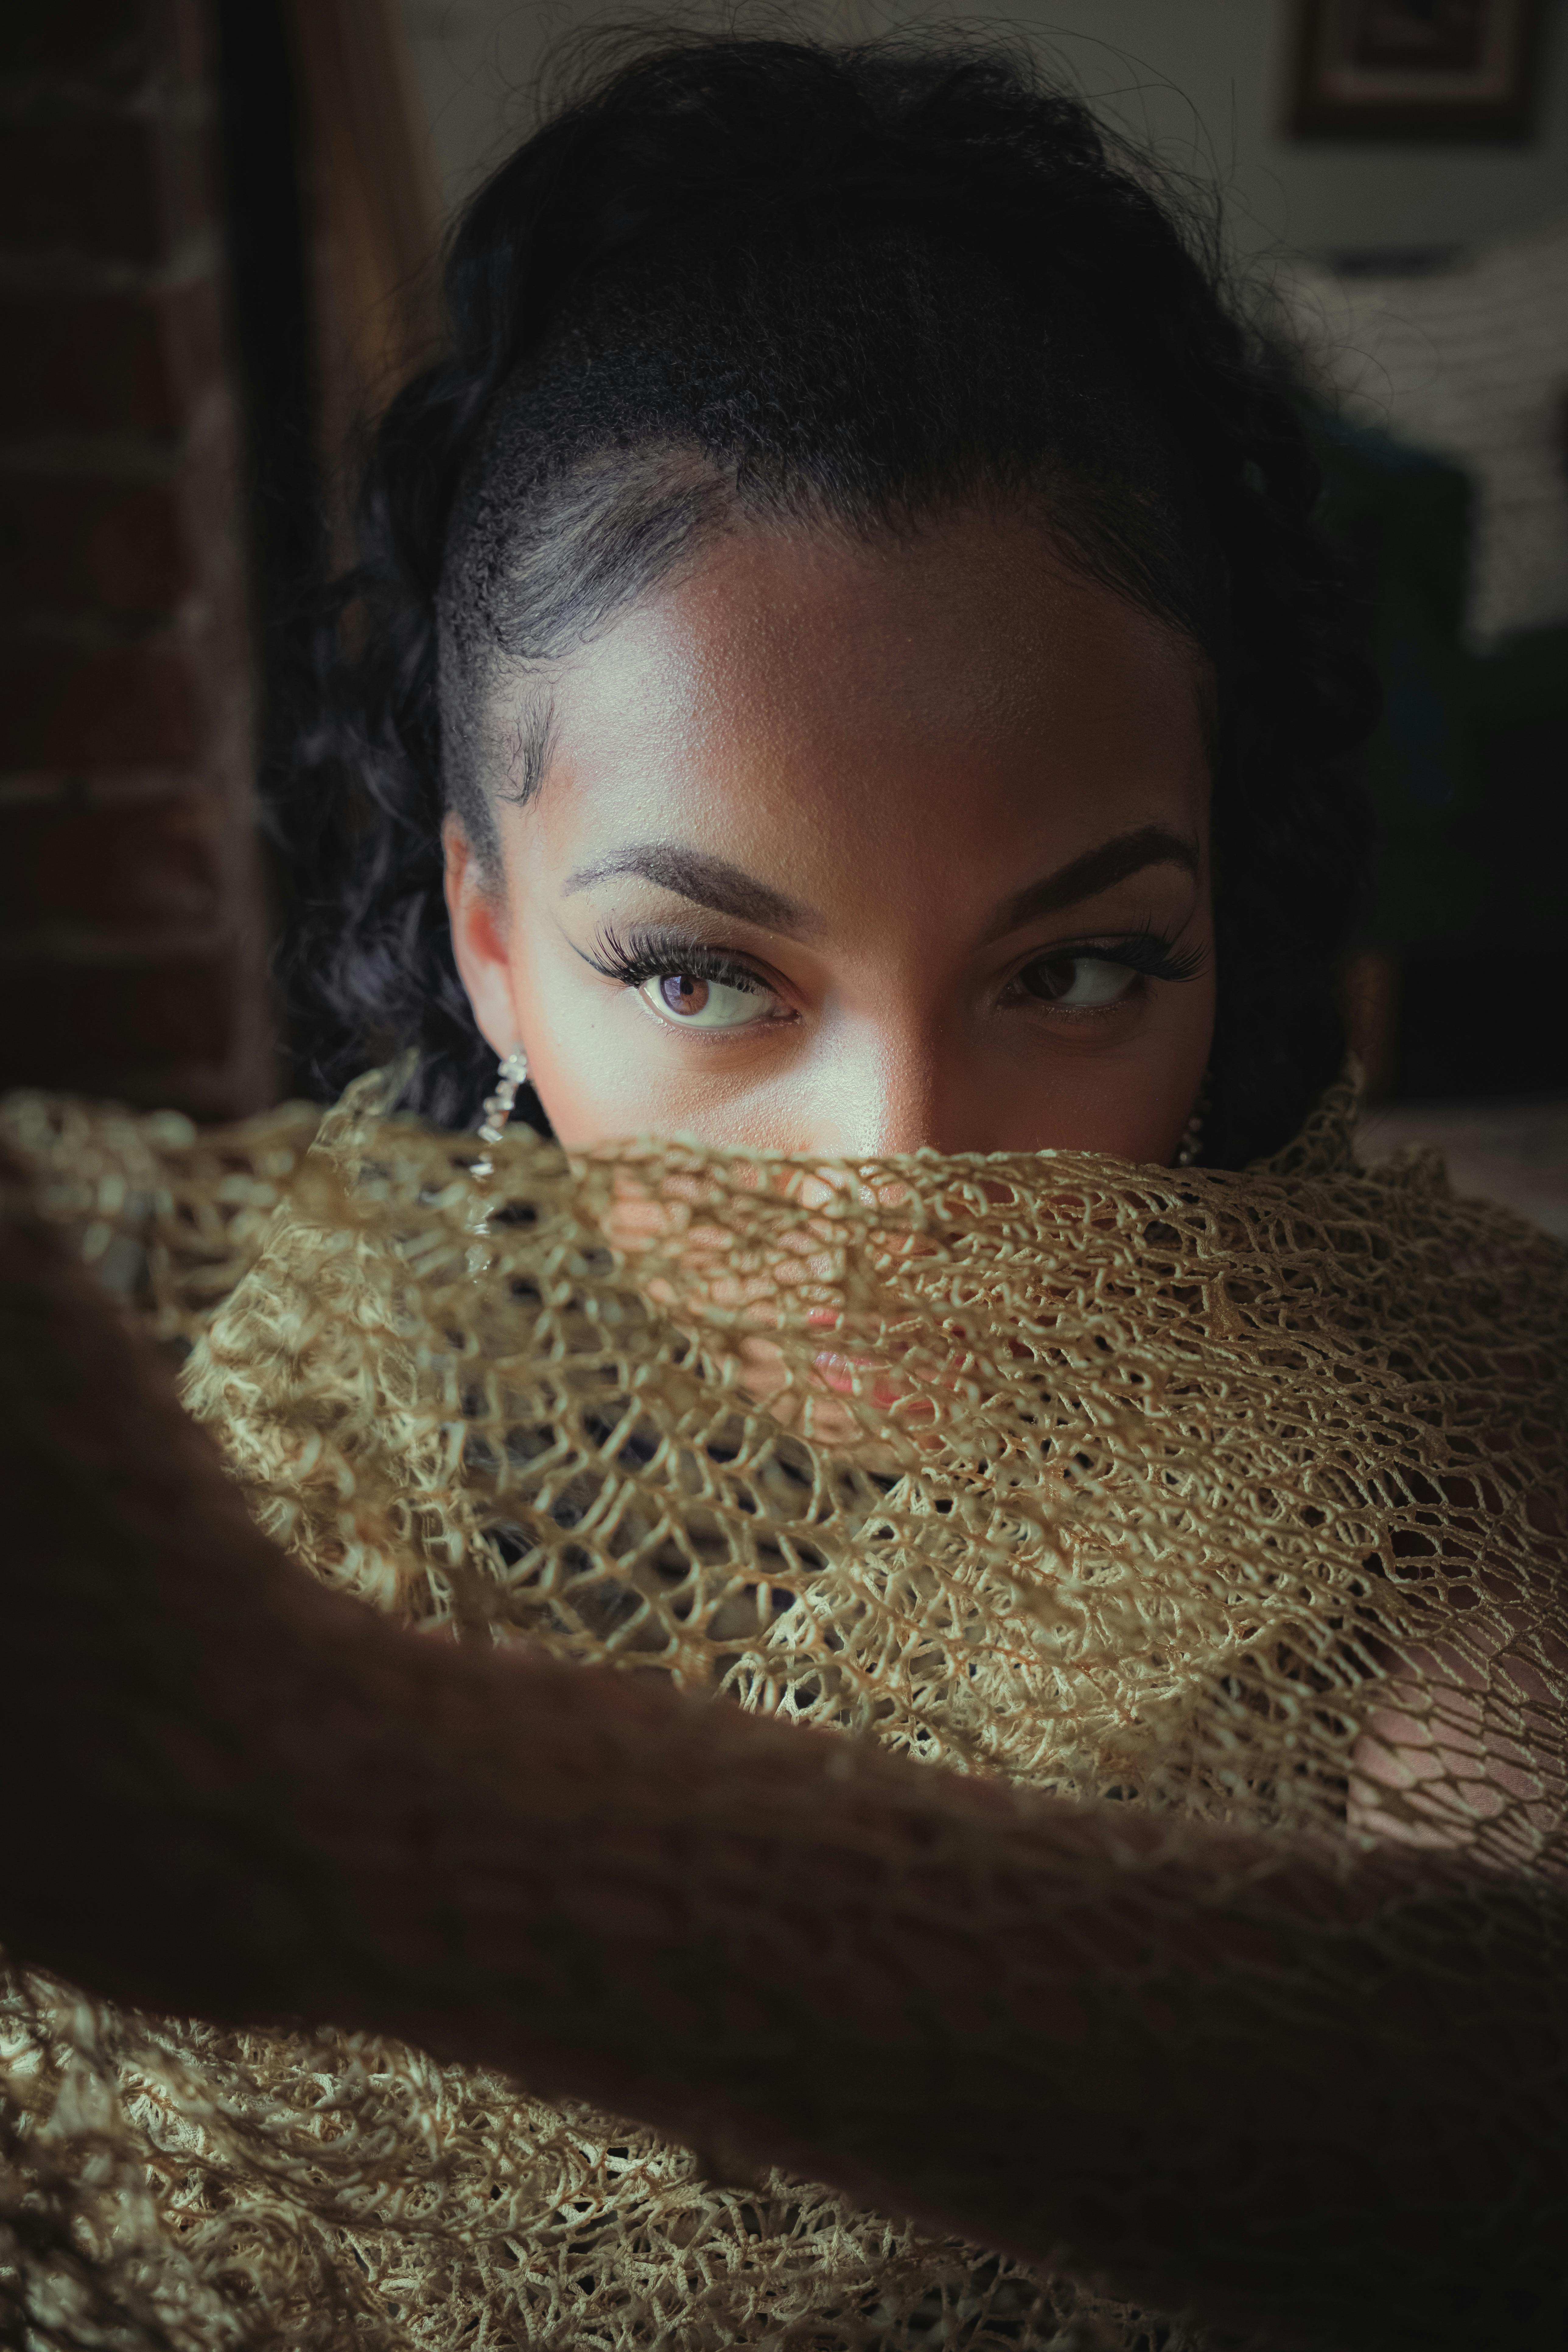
845 849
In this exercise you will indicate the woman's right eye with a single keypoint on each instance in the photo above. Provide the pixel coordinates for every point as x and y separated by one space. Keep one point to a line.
685 999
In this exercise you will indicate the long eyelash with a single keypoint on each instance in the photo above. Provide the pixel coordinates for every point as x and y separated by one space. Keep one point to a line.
643 955
1149 952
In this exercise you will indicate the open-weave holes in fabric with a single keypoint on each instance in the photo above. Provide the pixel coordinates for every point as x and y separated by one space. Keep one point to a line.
1235 1493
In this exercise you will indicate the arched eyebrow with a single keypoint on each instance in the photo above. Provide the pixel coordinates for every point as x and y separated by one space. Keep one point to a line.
706 881
726 889
1113 861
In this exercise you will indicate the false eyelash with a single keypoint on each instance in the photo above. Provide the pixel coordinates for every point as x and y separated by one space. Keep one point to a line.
643 955
1149 952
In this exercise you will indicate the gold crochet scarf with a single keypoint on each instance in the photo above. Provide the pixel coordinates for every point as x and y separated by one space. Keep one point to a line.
1235 1493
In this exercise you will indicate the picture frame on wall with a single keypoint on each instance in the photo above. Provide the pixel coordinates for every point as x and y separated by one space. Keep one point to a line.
1451 69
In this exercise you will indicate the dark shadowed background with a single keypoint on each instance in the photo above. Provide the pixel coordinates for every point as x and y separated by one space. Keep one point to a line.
215 222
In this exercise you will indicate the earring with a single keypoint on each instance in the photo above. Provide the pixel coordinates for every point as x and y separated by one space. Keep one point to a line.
492 1126
511 1075
1192 1141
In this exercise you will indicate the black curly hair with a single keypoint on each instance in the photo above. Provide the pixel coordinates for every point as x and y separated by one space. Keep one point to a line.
870 284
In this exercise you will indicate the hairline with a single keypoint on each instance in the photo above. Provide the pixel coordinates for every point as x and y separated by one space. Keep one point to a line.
906 518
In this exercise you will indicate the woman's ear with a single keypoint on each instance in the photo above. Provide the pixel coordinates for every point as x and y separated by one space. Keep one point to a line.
476 905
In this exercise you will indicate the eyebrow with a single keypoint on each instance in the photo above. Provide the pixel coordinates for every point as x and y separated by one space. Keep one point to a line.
1099 869
726 889
706 881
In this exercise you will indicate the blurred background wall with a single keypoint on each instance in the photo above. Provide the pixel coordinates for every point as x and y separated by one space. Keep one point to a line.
212 213
134 924
215 222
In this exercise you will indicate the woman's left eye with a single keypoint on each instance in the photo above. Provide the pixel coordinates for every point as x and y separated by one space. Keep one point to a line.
685 997
1082 983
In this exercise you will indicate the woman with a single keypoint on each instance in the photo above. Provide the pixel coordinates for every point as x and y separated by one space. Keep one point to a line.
840 470
846 680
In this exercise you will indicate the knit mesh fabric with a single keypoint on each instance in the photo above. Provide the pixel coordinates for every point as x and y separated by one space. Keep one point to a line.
1237 1494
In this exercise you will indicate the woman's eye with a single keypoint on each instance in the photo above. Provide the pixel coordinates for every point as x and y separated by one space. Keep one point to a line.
1081 982
682 996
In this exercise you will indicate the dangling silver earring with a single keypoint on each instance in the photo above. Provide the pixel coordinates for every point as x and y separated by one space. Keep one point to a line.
492 1126
1192 1141
513 1074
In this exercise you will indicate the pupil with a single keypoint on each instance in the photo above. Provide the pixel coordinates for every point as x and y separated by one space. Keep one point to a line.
1052 977
683 994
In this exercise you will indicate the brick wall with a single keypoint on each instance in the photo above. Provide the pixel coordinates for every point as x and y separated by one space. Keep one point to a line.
132 921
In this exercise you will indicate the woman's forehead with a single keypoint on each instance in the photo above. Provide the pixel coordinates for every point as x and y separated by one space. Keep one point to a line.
960 691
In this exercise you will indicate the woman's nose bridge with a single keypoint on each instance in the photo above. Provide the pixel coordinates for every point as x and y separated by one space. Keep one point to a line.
898 1090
